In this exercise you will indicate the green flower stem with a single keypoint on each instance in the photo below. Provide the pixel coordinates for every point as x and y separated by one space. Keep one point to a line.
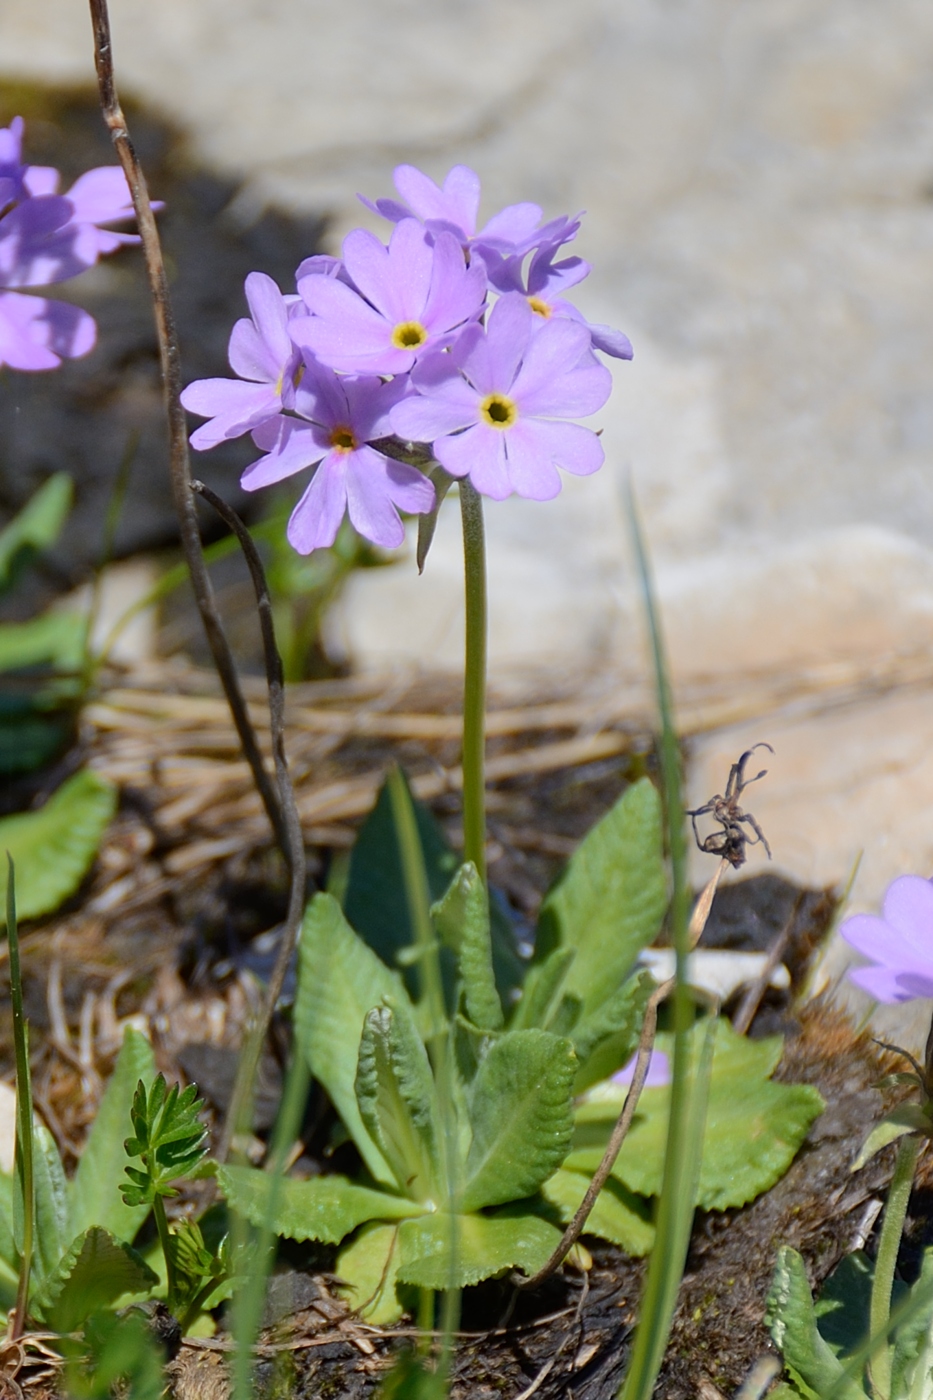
165 1239
891 1229
474 679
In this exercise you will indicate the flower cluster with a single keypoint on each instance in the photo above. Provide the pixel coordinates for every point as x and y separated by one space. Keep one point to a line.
447 336
900 944
48 237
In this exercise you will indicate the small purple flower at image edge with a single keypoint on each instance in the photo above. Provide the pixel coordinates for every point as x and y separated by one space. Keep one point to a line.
899 943
46 237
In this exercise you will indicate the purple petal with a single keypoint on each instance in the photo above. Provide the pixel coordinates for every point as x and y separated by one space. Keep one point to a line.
453 405
233 406
611 342
892 985
261 349
41 179
908 908
547 382
101 196
39 244
291 447
480 454
37 334
515 224
874 938
571 446
388 208
508 333
395 279
375 487
318 515
531 471
457 203
371 403
457 292
659 1071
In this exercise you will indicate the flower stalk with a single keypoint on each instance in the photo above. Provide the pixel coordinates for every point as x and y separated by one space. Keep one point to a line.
474 679
891 1229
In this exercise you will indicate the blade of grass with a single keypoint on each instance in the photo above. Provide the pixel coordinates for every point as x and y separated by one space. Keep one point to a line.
23 1170
685 1126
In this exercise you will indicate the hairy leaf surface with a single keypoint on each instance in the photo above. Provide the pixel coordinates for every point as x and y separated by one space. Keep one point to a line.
398 1103
93 1274
53 848
95 1190
609 903
368 1265
618 1215
462 920
521 1115
443 1251
790 1317
340 980
753 1125
324 1208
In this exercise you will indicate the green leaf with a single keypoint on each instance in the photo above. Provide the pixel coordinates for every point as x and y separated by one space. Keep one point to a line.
617 1215
906 1118
462 921
606 1039
36 527
9 1255
95 1190
536 1008
912 1338
609 903
168 1137
753 1126
52 1232
427 523
397 1101
324 1208
55 638
443 1251
95 1272
368 1266
54 847
376 903
792 1323
522 1117
842 1310
340 980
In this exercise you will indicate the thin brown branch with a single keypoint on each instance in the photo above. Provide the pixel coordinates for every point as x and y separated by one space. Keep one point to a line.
179 467
614 1146
249 1056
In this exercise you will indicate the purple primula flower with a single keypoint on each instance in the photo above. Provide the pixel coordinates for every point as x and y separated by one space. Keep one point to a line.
544 283
900 943
489 405
47 237
659 1072
261 352
454 209
404 300
342 416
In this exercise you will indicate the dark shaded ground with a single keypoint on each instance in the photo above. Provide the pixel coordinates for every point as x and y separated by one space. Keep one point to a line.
86 417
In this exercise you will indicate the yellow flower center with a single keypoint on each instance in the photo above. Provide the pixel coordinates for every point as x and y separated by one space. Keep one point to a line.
539 307
408 335
343 439
498 411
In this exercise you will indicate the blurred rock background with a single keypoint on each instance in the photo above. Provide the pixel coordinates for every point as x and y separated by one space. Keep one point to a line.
758 181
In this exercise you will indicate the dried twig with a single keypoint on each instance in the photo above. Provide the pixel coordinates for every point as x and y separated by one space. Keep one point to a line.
624 1121
179 467
249 1057
752 999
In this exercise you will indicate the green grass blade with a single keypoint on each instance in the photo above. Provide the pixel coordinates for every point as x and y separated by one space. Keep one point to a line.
24 1169
685 1127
